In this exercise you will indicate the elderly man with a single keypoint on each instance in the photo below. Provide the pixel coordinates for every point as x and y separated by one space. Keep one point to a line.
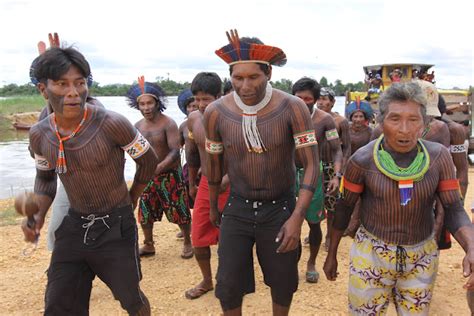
397 177
257 131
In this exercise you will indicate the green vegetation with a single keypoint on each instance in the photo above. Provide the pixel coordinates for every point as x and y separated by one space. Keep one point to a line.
21 104
8 215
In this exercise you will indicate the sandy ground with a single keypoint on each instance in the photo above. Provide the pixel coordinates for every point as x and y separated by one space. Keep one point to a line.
166 276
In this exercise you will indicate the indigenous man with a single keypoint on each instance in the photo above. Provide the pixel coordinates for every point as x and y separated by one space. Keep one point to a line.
394 255
360 114
324 125
61 203
256 131
187 105
456 146
326 101
206 88
166 192
84 146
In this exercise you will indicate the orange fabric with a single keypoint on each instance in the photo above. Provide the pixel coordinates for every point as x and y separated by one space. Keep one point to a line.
448 185
353 187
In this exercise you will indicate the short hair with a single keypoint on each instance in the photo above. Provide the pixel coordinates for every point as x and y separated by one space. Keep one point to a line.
56 61
402 92
207 82
442 104
227 86
306 83
253 40
151 89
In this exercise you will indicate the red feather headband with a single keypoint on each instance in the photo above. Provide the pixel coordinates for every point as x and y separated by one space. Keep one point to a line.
238 51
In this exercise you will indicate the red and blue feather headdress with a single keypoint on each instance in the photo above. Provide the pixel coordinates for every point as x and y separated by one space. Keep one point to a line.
238 51
146 88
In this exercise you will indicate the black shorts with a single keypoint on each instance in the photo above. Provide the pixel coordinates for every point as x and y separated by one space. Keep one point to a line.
245 223
106 247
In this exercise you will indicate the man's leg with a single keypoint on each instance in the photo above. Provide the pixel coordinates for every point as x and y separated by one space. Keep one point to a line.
148 248
187 246
414 289
59 210
117 264
371 276
69 277
203 258
315 238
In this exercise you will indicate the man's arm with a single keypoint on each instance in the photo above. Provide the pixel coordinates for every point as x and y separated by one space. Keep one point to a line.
125 135
456 219
45 186
345 142
336 153
215 164
306 150
172 139
192 158
353 187
458 153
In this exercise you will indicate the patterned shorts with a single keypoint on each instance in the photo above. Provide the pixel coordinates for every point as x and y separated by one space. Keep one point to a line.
330 199
315 212
380 272
165 193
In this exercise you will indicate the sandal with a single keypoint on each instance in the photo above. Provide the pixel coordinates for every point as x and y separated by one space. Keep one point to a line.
196 292
312 276
187 254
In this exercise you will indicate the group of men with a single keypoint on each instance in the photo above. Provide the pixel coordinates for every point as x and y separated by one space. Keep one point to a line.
259 162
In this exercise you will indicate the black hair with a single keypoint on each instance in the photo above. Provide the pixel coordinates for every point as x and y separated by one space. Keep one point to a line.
207 82
306 83
441 104
227 86
254 40
55 62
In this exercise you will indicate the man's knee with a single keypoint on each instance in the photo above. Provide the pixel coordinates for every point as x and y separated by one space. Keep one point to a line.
230 302
143 309
282 297
202 253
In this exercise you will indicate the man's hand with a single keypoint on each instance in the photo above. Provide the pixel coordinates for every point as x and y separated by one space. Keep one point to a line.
193 191
215 217
290 234
31 227
333 185
330 267
468 269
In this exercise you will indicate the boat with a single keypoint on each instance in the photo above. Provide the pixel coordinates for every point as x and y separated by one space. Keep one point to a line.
21 126
458 101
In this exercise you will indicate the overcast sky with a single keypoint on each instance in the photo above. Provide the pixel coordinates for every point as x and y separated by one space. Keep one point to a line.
176 38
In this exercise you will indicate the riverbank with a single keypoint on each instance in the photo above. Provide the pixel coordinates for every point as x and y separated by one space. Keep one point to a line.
166 276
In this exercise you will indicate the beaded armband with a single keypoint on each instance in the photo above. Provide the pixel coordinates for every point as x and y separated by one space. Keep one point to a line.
353 187
332 134
214 148
305 139
42 164
448 185
137 147
455 149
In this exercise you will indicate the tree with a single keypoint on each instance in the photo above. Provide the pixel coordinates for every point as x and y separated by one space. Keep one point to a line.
323 82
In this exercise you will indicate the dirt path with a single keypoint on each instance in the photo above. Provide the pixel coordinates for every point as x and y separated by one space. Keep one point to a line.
167 276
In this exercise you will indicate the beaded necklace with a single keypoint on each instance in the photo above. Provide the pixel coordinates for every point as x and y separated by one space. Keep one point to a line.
404 176
61 163
252 137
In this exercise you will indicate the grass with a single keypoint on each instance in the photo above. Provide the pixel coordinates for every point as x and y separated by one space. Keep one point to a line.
14 105
8 215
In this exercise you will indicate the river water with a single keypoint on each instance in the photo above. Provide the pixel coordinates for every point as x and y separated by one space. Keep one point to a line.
17 170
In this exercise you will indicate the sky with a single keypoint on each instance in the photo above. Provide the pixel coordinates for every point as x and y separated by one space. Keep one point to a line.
176 39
